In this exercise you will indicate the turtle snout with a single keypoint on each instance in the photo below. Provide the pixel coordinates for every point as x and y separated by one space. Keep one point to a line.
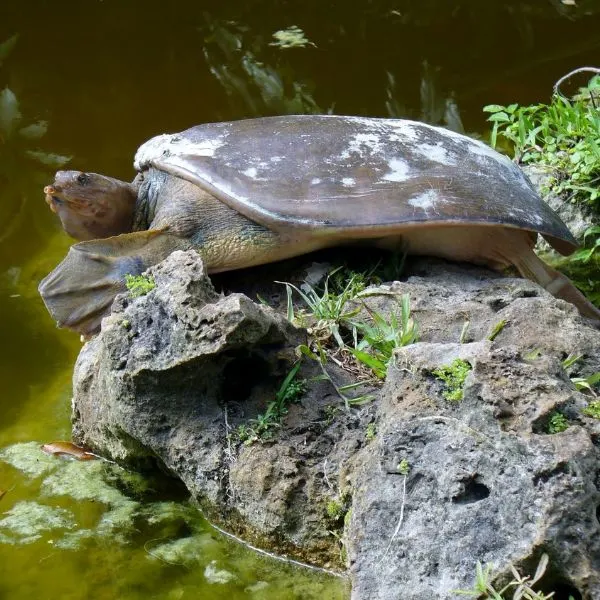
51 190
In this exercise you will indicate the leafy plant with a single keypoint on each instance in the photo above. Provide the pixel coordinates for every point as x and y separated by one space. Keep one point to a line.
453 376
557 423
139 285
563 136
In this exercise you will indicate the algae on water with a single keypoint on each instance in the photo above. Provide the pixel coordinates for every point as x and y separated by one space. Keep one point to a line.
26 522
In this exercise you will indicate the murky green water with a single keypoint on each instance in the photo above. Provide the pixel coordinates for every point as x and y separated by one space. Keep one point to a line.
107 74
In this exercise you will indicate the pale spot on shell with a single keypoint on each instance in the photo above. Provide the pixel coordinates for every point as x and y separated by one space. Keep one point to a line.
436 153
251 172
169 144
315 181
399 170
425 201
348 182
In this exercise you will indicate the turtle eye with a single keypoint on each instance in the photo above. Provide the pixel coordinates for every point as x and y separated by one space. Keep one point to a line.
83 179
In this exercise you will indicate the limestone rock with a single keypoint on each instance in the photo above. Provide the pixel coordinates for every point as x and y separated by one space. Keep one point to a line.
173 373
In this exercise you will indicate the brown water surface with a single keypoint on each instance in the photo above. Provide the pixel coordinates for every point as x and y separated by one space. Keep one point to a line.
107 74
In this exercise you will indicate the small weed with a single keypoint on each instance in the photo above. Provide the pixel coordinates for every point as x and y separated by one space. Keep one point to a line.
381 337
337 509
370 432
519 587
453 376
592 409
403 467
139 285
263 425
330 322
587 384
327 309
557 423
582 384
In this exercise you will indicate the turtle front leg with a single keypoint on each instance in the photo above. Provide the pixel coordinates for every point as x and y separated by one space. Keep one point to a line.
81 289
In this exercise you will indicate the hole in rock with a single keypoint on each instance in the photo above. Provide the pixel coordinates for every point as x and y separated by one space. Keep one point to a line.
473 491
552 582
498 304
244 371
598 514
564 591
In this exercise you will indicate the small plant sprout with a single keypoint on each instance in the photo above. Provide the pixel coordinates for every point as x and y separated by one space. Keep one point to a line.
139 285
557 423
592 409
453 376
496 329
321 360
290 391
582 384
370 432
403 467
520 588
326 309
381 337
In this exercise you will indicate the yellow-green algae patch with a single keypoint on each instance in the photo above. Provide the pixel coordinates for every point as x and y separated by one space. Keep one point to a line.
121 544
26 522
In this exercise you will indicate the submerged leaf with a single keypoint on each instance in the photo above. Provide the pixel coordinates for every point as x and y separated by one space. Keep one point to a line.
34 131
7 47
49 159
9 112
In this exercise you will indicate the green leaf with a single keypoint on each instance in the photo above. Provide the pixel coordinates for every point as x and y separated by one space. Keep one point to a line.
499 117
378 367
493 108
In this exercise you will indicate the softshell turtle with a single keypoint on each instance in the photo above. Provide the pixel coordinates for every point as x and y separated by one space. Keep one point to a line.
255 191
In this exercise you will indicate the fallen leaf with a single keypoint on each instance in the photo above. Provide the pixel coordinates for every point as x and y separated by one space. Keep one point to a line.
68 450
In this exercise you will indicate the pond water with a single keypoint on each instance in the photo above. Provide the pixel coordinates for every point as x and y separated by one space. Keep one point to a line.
89 81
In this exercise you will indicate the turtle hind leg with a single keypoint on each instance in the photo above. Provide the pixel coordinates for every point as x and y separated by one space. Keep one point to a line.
559 285
81 289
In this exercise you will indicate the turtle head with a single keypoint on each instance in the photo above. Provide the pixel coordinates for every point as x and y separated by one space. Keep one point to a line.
91 206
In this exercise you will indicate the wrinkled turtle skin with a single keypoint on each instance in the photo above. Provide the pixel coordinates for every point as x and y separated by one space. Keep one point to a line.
255 191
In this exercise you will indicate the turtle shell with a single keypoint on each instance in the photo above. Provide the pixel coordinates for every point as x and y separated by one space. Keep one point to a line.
330 174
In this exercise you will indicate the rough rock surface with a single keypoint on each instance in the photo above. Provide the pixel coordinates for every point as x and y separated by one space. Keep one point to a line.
574 216
174 372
